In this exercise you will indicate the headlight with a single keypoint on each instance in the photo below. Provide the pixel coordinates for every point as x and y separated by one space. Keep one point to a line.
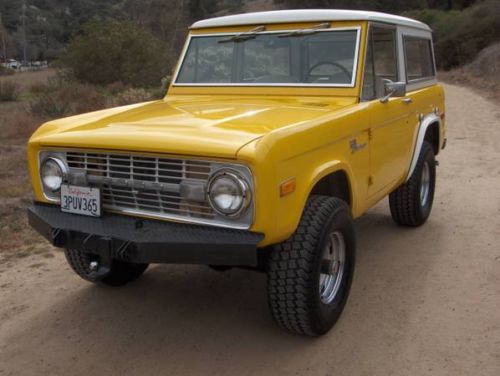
53 172
228 193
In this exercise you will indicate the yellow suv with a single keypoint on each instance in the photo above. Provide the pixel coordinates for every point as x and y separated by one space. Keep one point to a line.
278 129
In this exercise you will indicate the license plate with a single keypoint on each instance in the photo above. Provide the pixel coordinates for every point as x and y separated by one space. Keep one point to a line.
81 200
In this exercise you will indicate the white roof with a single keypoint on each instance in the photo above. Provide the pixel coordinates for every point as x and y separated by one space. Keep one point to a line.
307 15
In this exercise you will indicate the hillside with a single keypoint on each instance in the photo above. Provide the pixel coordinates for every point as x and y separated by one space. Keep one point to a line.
483 73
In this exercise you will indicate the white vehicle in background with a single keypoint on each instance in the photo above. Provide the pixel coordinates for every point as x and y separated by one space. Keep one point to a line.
12 64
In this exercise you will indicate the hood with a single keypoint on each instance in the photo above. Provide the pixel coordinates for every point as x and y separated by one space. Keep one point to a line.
185 125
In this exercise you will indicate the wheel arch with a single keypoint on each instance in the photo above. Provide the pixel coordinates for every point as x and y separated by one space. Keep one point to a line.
333 178
334 183
430 129
432 135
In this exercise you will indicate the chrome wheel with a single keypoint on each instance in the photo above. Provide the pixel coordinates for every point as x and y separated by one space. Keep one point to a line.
332 267
425 184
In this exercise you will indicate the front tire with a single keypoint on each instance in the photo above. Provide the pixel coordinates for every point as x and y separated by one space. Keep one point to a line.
411 203
118 274
310 274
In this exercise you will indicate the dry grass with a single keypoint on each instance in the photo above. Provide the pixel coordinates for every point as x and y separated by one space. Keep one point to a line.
59 98
131 95
6 71
15 195
26 79
16 125
43 95
9 90
18 238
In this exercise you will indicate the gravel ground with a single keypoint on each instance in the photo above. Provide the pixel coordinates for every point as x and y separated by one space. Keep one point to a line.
424 301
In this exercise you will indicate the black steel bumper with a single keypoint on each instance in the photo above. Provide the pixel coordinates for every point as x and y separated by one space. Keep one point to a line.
138 240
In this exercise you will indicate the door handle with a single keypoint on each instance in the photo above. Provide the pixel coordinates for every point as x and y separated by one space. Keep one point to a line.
407 100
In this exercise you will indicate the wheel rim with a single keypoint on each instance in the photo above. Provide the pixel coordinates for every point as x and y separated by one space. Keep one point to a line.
425 184
332 267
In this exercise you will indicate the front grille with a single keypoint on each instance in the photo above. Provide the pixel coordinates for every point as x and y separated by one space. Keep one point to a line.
144 184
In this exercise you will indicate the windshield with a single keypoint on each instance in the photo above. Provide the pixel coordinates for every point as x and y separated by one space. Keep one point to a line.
322 58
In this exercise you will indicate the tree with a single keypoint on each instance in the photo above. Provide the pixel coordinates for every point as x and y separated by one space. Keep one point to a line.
199 9
116 51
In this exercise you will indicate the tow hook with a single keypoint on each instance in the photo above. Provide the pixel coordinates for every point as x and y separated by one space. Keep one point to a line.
97 271
94 266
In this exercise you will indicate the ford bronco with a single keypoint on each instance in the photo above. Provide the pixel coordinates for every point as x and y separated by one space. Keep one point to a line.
278 129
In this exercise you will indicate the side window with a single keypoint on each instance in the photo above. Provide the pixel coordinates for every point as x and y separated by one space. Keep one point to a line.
419 62
381 62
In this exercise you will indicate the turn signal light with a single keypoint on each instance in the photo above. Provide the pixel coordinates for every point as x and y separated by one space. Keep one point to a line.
287 187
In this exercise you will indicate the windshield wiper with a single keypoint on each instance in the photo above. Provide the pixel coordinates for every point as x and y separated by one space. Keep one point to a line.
244 36
309 31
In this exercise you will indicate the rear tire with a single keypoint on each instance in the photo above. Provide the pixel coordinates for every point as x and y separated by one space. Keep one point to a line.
310 274
411 203
119 274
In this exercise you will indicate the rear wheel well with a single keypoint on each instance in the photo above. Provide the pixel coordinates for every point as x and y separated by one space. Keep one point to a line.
432 136
335 184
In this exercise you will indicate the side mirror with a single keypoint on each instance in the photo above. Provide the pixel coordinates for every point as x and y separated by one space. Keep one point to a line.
393 89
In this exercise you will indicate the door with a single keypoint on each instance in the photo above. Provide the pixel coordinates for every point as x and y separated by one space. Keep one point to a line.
391 136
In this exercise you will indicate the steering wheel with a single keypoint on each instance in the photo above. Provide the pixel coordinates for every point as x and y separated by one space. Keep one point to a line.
345 71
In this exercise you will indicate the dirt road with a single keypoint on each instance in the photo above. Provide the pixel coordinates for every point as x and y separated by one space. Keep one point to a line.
424 301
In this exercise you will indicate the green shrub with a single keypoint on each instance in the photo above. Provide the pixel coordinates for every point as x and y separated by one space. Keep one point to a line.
9 91
116 51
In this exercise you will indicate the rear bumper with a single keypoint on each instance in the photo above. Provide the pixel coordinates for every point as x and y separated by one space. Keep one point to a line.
145 241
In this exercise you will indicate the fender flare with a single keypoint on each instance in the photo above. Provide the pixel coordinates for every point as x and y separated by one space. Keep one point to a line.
422 129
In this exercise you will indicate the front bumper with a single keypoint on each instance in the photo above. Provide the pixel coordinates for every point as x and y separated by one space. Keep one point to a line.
137 240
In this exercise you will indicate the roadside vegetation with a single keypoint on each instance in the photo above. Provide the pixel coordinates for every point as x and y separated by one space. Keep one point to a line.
27 100
6 71
110 51
9 91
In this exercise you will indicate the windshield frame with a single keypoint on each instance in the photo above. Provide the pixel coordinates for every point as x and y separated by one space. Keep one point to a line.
191 36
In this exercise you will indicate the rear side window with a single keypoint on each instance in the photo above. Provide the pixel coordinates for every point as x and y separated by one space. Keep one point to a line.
419 60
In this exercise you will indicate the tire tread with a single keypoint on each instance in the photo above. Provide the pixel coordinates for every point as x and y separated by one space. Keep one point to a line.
290 273
404 202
